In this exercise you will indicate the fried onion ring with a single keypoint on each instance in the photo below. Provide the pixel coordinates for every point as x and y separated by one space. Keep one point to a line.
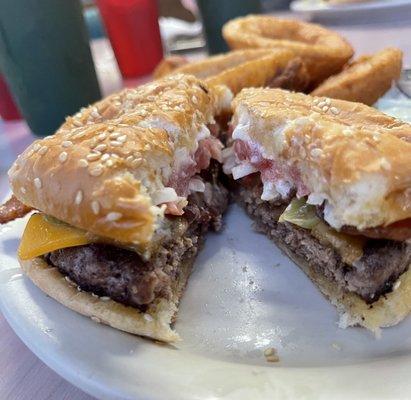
324 51
366 79
169 64
251 68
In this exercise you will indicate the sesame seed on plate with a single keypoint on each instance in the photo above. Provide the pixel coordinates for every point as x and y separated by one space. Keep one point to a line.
79 197
37 183
96 171
63 157
95 206
113 216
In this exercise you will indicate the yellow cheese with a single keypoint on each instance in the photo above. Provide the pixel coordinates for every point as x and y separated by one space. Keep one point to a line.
43 235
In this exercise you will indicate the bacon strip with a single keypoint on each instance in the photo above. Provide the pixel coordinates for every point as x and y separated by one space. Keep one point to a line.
12 209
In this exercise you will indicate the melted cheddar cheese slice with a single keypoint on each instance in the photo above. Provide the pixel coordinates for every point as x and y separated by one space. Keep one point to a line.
43 235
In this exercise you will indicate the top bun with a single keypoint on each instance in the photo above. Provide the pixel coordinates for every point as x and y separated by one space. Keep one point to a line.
352 156
101 169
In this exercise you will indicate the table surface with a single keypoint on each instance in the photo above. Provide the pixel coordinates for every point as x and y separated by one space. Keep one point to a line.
23 376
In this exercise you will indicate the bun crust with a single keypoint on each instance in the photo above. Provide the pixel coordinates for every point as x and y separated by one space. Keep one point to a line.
154 323
243 68
365 80
353 156
324 51
101 168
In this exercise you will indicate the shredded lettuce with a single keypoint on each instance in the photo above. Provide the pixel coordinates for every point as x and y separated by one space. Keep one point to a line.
300 213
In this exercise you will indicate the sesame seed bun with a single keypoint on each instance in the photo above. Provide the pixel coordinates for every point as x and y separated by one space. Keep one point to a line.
352 156
324 51
100 170
365 80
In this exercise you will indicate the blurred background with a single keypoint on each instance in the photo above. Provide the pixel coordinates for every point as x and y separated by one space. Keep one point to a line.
57 56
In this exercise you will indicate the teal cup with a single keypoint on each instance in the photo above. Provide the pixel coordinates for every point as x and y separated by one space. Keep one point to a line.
215 13
46 60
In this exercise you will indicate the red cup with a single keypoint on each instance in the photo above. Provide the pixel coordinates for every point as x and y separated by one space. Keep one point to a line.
132 26
8 109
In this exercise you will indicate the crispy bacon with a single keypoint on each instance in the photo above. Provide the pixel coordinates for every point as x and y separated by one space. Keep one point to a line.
12 209
400 231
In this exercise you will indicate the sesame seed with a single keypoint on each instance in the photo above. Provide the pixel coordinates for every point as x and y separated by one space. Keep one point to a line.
105 157
396 285
37 183
79 289
148 317
129 158
147 147
67 143
67 278
93 156
23 190
95 206
104 298
95 319
113 216
317 109
79 197
327 101
194 100
114 155
63 157
334 110
115 135
43 150
316 101
94 113
101 137
77 122
96 171
316 152
321 104
136 162
101 147
82 163
116 144
325 108
36 146
110 128
109 163
122 138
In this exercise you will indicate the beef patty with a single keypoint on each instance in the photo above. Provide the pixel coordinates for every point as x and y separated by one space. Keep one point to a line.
124 276
371 276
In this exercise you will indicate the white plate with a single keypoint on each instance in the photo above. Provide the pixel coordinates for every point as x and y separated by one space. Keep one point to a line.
243 297
321 8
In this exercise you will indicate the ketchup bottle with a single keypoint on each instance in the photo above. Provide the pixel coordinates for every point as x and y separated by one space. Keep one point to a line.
132 26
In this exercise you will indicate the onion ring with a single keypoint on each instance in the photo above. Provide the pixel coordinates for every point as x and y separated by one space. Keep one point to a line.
324 51
365 80
251 68
168 64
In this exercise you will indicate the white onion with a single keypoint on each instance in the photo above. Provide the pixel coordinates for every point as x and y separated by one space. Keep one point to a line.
241 132
269 192
196 185
165 195
203 134
243 170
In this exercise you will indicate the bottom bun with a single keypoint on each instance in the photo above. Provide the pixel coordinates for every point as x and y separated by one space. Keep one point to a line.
388 310
155 323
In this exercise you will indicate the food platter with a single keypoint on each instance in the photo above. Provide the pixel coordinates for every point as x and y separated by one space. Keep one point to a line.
244 297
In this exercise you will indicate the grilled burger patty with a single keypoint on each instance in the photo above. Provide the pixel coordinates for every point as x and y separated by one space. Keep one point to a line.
371 276
124 276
